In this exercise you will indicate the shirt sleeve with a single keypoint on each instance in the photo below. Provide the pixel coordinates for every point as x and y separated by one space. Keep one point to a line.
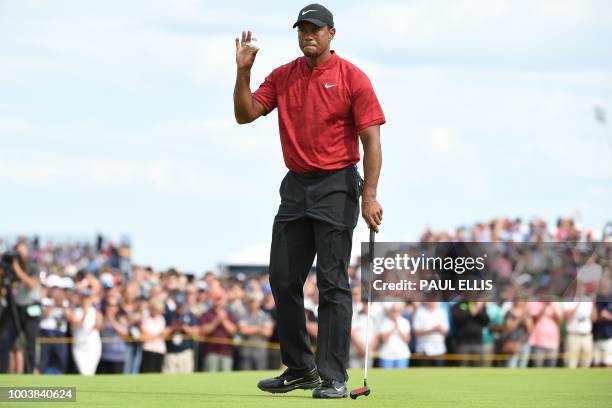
266 93
206 318
444 319
364 104
418 322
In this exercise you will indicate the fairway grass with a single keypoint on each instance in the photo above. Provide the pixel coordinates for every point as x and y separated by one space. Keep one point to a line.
414 387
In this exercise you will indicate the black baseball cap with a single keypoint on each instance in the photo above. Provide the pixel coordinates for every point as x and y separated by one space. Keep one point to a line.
316 14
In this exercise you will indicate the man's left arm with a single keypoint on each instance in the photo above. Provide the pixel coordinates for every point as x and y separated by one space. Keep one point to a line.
371 210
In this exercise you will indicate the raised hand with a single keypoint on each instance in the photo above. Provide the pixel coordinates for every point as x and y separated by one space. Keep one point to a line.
245 55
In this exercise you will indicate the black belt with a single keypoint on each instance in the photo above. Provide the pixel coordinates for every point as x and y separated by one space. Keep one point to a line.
321 172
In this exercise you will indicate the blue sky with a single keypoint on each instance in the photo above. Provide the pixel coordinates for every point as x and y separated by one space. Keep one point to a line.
117 116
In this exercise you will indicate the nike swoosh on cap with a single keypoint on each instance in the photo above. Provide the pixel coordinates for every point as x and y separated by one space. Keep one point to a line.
308 11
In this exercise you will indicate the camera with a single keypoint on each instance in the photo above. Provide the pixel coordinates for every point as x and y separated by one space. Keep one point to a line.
6 263
9 256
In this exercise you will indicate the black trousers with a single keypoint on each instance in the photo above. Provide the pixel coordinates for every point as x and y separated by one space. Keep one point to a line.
316 216
8 334
151 362
110 367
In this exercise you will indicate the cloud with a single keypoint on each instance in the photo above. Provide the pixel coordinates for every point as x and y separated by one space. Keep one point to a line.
503 28
185 157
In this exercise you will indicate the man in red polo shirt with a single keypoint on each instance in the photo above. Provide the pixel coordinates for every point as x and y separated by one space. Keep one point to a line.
325 105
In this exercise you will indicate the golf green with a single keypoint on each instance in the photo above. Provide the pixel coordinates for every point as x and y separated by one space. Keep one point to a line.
414 387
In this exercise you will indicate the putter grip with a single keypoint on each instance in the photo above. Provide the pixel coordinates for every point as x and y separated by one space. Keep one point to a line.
371 248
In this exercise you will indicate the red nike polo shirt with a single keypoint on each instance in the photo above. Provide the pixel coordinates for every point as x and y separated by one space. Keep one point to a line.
321 110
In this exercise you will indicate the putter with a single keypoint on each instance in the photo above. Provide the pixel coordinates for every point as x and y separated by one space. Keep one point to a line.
365 390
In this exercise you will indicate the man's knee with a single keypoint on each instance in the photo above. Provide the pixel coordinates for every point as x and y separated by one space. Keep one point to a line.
285 284
281 286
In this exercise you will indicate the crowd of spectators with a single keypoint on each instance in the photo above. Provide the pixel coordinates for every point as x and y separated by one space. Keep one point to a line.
99 313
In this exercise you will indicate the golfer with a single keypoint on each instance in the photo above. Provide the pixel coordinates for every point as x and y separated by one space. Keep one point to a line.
325 104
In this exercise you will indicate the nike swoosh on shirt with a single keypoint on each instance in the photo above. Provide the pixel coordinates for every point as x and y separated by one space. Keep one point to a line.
329 85
308 11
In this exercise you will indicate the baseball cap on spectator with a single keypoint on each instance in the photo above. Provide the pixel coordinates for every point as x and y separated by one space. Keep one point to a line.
67 283
53 281
315 14
107 280
202 285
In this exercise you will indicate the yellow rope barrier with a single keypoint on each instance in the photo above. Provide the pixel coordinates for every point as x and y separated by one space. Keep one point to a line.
276 346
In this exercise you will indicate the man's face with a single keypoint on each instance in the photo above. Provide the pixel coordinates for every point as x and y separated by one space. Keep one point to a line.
314 40
22 250
254 305
220 301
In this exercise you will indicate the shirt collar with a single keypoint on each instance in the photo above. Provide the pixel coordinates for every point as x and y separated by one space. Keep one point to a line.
330 63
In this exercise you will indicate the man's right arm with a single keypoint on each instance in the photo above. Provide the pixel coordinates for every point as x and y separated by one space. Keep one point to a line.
246 108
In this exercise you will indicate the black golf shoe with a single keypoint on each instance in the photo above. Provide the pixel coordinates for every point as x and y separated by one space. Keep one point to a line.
289 381
330 389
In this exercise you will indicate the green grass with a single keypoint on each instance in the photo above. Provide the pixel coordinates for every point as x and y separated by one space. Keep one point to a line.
415 387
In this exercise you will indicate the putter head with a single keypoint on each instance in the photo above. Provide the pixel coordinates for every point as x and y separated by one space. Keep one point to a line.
359 392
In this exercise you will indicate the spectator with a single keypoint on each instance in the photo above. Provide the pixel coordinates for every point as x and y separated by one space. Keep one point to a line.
26 297
255 326
394 338
544 339
54 356
191 300
579 317
602 328
358 336
469 318
235 303
133 310
430 327
491 332
274 356
514 339
114 330
103 268
220 324
153 329
311 310
85 323
182 325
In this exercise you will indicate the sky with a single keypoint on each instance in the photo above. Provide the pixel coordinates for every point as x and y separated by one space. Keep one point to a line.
117 117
